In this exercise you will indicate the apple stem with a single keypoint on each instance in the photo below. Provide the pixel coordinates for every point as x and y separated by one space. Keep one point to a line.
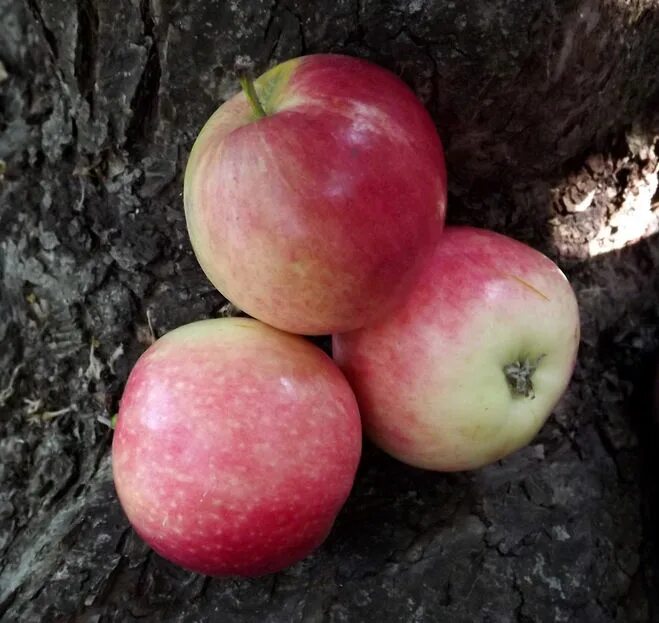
247 85
519 376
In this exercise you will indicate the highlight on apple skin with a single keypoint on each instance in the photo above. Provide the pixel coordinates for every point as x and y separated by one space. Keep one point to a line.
470 366
314 203
236 446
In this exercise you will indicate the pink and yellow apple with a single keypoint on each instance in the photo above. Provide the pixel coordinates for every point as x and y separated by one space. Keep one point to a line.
470 366
236 446
313 198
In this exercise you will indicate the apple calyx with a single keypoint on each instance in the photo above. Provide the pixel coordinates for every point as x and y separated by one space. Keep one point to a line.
247 85
519 375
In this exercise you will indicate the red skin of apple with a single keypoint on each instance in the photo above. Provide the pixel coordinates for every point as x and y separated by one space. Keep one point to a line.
318 217
236 445
431 379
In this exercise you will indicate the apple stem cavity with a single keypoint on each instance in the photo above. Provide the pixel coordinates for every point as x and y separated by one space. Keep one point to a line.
519 376
247 85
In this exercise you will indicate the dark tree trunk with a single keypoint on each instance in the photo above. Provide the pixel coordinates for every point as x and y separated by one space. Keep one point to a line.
546 110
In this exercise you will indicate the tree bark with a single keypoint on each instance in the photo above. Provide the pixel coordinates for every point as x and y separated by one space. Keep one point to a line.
543 107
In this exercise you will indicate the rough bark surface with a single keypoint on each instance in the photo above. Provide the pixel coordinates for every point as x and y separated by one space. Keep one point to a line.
100 101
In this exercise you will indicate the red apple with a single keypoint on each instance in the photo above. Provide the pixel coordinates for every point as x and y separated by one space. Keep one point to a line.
235 447
313 203
470 366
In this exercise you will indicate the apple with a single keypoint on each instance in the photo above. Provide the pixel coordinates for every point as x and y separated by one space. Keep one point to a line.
470 366
314 197
235 447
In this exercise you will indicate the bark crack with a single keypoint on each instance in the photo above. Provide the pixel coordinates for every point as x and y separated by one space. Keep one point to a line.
86 46
145 100
47 33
